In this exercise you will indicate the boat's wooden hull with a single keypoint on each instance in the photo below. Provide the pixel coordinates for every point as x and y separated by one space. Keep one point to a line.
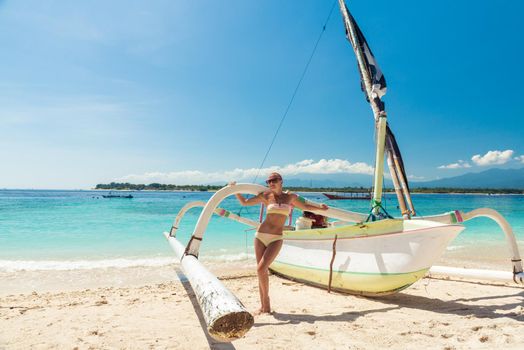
372 259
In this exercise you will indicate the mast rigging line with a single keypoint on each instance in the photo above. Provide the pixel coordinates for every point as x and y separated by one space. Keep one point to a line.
295 92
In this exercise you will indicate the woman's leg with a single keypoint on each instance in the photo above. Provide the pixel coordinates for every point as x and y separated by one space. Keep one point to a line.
269 254
260 248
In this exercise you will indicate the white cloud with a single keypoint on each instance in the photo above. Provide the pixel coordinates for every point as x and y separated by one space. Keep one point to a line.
414 177
490 158
307 166
460 164
493 157
520 158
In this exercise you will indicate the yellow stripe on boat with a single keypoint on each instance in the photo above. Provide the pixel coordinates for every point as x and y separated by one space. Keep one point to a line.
357 230
350 282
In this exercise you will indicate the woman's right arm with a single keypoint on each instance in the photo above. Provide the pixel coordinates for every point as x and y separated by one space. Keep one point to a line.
259 198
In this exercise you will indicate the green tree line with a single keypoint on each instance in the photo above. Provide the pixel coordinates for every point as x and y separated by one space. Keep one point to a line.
171 187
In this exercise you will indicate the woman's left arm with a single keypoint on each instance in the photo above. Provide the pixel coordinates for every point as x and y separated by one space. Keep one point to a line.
301 203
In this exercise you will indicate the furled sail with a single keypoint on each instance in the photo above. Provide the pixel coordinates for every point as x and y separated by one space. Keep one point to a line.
378 81
373 84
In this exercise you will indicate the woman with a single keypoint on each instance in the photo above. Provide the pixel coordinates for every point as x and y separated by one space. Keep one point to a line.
268 239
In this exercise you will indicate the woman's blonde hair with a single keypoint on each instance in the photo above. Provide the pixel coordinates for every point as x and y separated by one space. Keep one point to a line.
274 175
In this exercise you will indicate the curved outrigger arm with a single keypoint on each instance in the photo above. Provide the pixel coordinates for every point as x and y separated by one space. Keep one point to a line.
458 216
212 207
219 211
193 246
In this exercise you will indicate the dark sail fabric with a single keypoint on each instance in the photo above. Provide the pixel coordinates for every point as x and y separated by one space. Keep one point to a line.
378 81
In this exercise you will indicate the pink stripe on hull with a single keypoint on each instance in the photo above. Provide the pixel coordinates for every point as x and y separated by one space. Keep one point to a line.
370 236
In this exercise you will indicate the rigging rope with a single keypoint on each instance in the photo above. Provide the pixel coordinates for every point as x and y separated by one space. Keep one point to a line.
293 96
373 217
295 92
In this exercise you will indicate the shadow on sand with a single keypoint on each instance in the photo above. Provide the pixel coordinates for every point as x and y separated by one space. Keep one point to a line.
310 318
459 307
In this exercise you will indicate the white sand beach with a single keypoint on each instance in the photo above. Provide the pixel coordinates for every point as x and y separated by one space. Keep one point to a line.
433 313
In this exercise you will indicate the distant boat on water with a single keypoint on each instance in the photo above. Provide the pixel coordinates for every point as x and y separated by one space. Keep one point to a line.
351 195
111 195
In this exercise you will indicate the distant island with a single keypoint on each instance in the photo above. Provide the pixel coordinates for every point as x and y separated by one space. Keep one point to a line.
118 186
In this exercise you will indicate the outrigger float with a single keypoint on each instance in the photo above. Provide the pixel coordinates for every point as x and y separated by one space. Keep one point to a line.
366 254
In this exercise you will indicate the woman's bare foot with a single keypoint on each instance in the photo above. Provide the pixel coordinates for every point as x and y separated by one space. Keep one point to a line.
265 308
262 311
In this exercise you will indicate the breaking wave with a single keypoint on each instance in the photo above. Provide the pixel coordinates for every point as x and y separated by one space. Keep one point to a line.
65 265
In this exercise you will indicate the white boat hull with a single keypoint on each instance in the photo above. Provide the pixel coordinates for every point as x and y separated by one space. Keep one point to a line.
373 259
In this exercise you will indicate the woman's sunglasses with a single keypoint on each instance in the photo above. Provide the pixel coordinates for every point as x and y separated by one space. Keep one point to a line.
275 180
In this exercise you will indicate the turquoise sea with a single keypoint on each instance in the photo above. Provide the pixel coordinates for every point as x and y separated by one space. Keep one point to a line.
59 230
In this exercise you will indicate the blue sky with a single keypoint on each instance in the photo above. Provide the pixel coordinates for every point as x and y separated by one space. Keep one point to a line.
190 91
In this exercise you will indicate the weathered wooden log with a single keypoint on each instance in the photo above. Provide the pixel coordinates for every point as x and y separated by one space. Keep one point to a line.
226 317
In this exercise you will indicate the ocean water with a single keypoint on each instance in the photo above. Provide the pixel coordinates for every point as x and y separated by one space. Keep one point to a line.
64 230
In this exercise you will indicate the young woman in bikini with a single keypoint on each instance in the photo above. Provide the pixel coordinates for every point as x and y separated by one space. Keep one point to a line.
268 239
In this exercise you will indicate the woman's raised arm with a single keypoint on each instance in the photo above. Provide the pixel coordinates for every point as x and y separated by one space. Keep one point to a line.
300 203
259 198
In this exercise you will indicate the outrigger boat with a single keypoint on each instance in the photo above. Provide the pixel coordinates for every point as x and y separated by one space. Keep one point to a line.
353 255
368 254
348 195
111 195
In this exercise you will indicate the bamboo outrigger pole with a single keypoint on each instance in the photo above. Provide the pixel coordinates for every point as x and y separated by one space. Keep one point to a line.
398 189
397 164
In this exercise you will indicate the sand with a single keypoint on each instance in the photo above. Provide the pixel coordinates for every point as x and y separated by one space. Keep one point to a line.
433 313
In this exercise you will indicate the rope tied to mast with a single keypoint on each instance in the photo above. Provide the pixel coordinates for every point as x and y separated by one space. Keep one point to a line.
373 217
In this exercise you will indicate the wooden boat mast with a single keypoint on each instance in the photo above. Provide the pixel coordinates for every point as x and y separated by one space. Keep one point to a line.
382 134
379 114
